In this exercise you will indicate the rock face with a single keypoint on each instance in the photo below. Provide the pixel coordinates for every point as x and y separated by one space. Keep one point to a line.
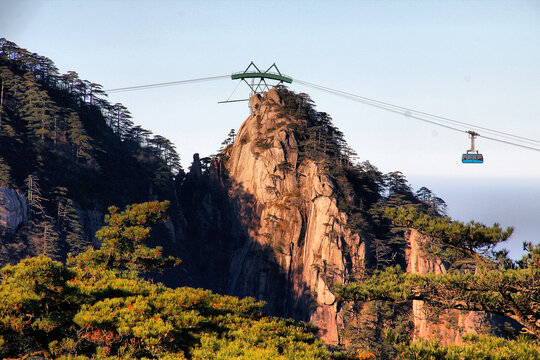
447 326
295 239
263 221
13 208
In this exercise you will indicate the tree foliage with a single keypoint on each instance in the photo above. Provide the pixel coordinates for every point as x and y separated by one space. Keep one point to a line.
59 131
473 347
512 291
124 239
97 307
473 239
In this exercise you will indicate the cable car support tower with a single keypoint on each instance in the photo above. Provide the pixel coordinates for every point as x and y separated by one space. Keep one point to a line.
259 81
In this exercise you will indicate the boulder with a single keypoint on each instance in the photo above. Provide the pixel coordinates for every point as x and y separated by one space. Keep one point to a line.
13 208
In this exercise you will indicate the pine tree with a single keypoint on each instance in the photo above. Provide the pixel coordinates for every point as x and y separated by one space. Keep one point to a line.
95 91
78 137
39 289
68 223
45 239
6 123
33 194
122 120
123 240
139 135
70 80
229 140
396 183
498 285
37 110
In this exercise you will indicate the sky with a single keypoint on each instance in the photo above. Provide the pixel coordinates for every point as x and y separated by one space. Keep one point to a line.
472 61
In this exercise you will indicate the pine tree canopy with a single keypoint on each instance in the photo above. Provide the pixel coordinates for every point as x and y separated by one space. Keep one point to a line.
497 285
97 307
123 240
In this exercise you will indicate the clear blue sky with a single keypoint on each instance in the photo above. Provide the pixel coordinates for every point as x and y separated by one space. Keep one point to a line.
473 61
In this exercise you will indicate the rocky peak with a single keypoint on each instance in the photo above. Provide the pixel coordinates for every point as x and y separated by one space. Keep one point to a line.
302 237
271 218
195 171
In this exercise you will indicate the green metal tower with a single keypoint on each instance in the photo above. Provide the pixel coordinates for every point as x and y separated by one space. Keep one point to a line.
259 81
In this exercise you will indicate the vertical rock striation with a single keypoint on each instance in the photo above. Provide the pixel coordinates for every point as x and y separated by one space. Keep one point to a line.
296 239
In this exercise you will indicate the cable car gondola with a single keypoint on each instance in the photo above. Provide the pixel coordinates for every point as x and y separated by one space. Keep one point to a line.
472 156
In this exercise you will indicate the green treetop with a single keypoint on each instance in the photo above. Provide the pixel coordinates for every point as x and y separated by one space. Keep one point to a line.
497 285
123 240
96 310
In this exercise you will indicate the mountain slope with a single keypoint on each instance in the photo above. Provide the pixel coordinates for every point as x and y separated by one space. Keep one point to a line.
283 212
66 154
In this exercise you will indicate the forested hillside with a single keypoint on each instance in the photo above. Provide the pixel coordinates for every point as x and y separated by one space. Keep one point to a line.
284 221
97 307
71 154
285 210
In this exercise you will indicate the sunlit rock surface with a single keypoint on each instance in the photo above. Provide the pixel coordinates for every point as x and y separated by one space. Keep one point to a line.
298 242
448 326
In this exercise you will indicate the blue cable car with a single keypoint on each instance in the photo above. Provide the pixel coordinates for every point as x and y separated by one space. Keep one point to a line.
472 156
469 158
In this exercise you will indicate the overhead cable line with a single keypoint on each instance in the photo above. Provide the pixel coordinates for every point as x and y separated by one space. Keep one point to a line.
383 106
230 96
404 109
510 143
415 114
429 118
164 84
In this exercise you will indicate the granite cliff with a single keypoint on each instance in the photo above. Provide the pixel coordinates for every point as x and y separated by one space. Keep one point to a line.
282 213
448 326
282 237
13 208
297 219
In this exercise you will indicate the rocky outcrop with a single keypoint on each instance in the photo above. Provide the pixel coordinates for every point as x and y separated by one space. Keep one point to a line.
13 208
296 240
263 220
448 326
91 221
